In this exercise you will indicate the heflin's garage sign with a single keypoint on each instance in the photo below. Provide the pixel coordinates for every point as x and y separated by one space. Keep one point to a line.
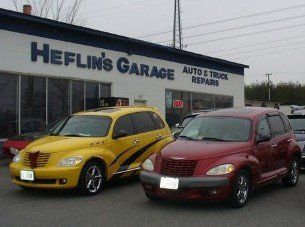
123 65
58 57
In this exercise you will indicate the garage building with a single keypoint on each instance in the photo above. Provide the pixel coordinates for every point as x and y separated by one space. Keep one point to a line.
49 70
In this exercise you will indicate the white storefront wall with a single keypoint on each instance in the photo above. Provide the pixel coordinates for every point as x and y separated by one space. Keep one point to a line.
15 57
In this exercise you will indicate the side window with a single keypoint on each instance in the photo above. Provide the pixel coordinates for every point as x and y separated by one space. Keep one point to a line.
277 125
286 123
124 123
263 128
158 121
142 122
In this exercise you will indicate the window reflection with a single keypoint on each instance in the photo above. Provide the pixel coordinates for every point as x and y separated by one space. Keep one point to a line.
77 96
33 103
92 95
58 99
8 105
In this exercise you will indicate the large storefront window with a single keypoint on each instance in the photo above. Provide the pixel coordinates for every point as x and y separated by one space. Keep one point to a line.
192 102
33 103
105 90
8 105
92 95
43 100
58 99
77 96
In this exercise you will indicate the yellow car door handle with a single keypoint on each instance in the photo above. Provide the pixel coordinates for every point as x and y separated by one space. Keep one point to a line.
159 137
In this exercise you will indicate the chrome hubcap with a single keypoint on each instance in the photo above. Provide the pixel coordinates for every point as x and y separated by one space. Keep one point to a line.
93 179
294 174
242 189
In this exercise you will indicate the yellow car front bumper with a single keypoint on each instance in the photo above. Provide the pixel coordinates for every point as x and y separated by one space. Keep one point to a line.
47 177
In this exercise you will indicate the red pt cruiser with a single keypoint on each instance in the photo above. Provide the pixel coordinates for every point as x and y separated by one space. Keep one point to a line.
224 155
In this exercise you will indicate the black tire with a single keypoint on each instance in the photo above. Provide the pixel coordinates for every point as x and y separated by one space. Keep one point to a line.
151 197
91 179
240 191
292 179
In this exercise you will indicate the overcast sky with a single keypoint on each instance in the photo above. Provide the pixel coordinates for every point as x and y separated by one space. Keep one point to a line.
280 52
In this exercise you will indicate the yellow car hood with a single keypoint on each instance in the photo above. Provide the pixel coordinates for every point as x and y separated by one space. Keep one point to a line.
53 144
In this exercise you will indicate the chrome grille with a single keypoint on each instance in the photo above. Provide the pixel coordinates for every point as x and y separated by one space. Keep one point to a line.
42 159
178 168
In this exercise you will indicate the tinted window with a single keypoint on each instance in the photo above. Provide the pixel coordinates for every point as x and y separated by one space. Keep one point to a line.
142 122
158 121
123 123
84 126
222 129
263 128
286 123
277 125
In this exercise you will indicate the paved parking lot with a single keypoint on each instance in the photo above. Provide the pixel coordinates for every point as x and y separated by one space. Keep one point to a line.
124 204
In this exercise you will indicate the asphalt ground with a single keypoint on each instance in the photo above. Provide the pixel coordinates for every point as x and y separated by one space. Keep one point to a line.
123 203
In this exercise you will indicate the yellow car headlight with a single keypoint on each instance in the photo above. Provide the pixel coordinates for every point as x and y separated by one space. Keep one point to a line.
71 161
16 159
221 170
148 165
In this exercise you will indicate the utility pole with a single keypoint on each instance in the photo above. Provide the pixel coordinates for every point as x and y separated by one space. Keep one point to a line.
177 28
269 87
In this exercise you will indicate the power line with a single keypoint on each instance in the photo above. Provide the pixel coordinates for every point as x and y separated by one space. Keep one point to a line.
273 52
116 7
266 48
227 20
241 27
255 44
245 34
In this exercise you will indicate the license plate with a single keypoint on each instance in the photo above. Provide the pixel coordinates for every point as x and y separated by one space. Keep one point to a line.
169 183
27 175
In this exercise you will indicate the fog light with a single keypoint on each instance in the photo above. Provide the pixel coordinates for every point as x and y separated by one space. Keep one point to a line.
63 181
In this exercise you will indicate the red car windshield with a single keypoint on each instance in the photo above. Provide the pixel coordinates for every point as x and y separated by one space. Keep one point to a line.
222 129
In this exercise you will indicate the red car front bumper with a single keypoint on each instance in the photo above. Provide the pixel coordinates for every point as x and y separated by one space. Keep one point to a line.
190 188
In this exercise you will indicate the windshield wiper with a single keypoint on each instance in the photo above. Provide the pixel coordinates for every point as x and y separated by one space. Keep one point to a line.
214 139
186 137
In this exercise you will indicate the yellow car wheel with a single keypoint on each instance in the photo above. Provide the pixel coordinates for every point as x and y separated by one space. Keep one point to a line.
92 178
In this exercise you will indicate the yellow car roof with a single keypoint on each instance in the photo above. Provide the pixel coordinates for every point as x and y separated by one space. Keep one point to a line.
116 111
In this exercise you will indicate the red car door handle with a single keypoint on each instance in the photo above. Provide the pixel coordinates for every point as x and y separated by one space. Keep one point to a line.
274 145
288 140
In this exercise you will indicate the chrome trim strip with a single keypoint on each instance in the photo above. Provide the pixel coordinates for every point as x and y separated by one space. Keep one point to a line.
128 170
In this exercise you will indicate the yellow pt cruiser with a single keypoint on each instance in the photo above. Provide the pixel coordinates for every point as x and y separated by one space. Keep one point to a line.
89 148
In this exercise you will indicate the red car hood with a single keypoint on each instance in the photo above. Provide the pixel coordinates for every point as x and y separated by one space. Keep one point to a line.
195 150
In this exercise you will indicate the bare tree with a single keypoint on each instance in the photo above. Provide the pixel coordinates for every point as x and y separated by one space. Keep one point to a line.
67 11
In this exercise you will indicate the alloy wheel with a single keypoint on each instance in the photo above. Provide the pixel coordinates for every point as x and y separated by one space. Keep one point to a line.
294 173
94 179
242 189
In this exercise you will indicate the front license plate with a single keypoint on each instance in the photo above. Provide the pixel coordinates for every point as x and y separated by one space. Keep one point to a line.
27 175
169 183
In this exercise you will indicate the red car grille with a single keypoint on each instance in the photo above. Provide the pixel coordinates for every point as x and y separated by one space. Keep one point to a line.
40 161
178 168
